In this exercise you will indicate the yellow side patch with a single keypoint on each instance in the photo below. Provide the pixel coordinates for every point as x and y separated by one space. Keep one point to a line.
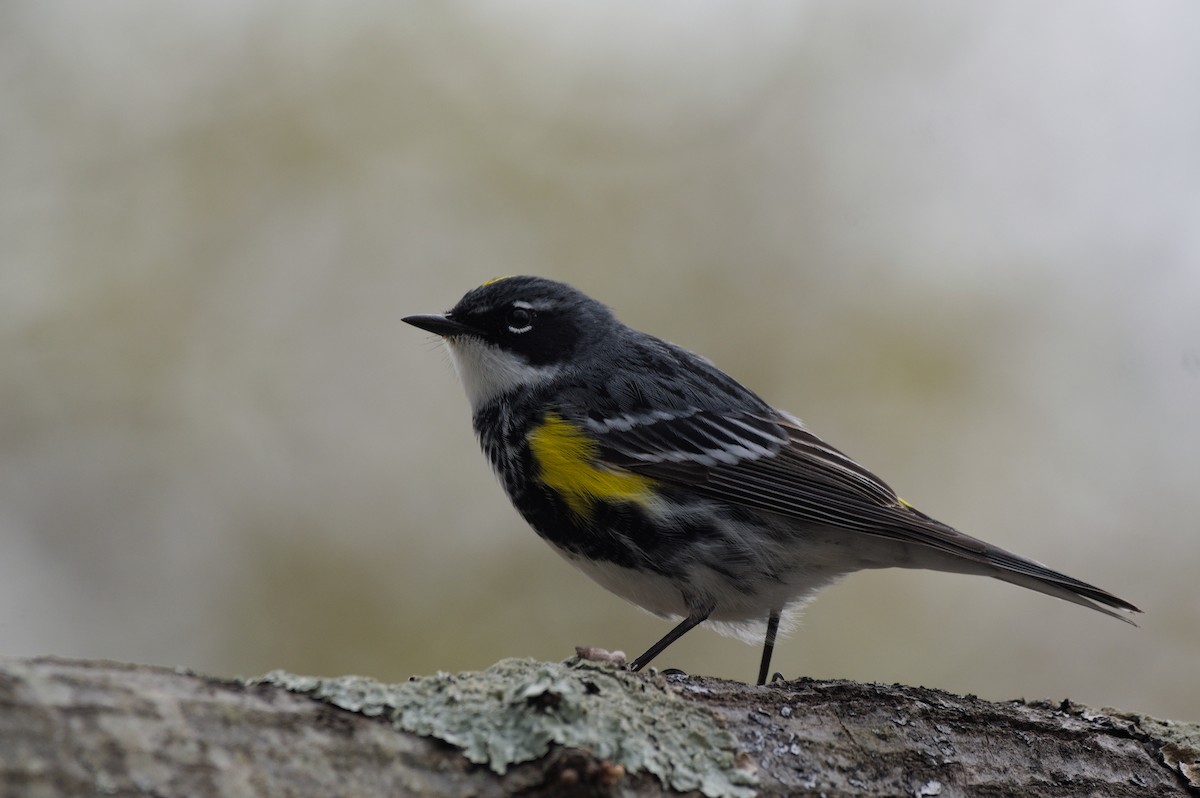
566 462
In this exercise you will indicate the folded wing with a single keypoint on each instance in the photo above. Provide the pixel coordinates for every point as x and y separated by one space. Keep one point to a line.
774 464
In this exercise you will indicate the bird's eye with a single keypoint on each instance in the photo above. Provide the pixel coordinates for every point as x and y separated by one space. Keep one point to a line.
519 320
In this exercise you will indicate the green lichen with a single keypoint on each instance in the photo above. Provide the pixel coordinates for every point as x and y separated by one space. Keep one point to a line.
516 710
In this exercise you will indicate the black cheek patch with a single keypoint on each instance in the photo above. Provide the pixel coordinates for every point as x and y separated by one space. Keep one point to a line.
548 342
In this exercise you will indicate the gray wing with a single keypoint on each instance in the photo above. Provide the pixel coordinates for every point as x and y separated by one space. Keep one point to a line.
773 464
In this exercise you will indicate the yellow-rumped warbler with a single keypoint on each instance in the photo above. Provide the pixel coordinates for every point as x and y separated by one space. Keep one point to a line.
671 484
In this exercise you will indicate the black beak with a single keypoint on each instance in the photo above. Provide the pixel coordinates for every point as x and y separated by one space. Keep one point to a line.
439 325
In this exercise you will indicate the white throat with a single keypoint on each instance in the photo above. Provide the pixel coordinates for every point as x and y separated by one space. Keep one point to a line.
486 371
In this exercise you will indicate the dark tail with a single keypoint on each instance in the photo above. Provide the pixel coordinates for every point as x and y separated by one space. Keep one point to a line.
947 549
1036 576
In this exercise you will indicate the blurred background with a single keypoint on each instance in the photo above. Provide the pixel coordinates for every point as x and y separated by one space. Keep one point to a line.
962 241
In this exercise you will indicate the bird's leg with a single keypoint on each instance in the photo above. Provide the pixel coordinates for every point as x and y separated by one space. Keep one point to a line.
768 646
686 625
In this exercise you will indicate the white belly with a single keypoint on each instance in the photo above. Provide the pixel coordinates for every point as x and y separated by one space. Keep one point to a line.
737 612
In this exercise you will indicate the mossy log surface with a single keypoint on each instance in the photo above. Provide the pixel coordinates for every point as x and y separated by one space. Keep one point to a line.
80 728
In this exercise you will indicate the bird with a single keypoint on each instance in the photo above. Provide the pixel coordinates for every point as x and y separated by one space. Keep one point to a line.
674 486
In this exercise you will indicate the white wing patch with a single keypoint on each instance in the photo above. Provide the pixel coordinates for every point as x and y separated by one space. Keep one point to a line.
628 421
694 436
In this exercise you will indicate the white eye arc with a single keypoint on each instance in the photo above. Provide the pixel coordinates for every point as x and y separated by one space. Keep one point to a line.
520 318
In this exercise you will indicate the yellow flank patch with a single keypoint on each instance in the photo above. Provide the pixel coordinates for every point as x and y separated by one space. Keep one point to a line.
904 503
566 461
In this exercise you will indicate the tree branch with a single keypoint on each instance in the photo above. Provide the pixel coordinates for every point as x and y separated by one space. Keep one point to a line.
72 728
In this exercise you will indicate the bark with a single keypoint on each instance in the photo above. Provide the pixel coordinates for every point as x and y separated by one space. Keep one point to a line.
78 728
